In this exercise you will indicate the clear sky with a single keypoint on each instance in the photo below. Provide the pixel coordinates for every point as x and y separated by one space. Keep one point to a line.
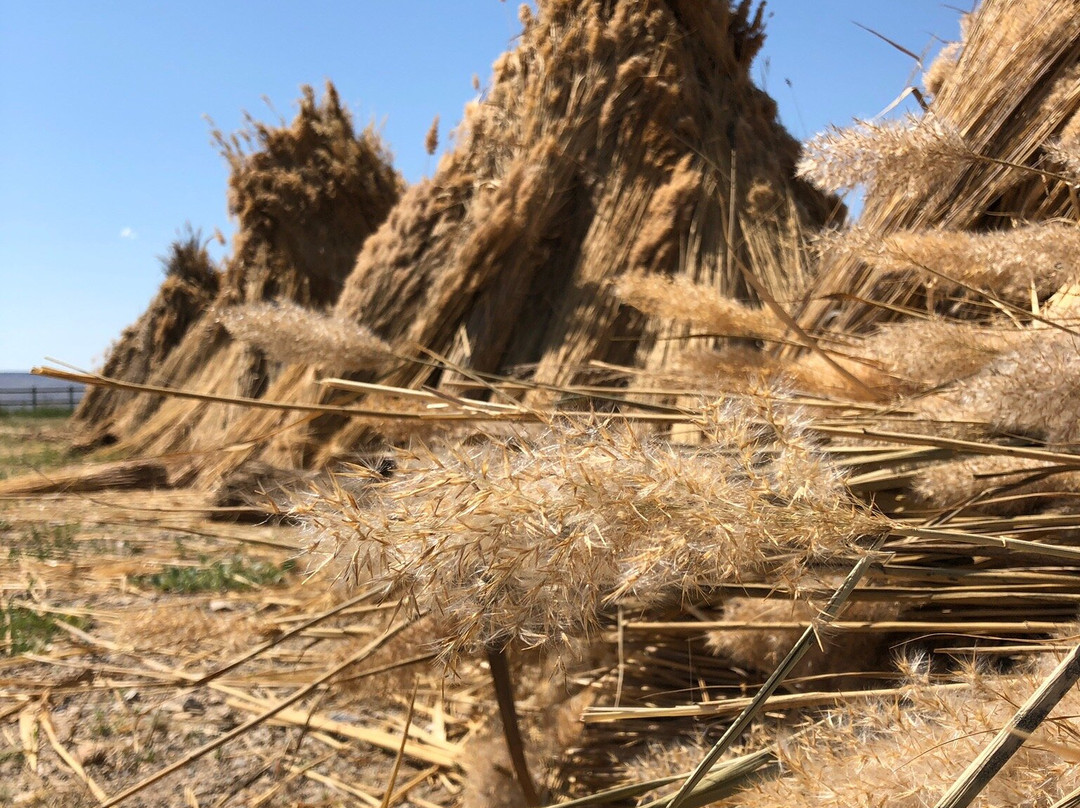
105 149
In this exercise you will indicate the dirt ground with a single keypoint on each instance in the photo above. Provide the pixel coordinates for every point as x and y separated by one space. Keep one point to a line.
136 633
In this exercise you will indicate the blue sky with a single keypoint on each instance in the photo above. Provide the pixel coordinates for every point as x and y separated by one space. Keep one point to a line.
105 150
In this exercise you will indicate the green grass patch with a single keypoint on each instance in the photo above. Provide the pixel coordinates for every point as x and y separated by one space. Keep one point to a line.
234 574
40 458
16 416
47 542
32 442
24 630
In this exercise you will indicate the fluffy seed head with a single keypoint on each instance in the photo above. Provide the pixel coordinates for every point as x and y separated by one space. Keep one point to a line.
291 333
530 541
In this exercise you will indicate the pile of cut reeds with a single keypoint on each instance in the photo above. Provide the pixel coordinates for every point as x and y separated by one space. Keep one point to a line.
827 555
306 196
615 139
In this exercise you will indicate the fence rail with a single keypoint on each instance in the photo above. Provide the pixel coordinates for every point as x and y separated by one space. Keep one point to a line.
32 399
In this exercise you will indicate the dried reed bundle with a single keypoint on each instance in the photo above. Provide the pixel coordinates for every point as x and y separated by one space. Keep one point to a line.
190 286
531 543
290 333
586 82
603 145
683 300
1011 92
306 195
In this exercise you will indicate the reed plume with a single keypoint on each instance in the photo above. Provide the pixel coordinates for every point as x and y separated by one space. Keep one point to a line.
682 300
290 333
530 542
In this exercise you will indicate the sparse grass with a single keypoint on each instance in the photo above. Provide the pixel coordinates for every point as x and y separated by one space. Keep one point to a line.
54 542
20 416
25 630
101 726
219 576
31 442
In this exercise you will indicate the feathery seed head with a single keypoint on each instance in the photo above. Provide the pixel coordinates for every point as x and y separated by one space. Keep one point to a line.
531 542
290 333
921 151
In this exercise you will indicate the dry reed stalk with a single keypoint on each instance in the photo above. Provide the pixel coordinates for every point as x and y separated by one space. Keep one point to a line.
426 750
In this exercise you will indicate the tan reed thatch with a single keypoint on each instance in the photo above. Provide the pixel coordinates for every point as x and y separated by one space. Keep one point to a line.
615 138
191 283
971 164
306 196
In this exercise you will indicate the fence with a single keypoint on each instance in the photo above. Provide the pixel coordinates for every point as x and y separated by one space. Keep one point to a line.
32 399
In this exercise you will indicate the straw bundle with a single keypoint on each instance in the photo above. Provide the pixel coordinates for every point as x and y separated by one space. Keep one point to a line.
191 284
971 164
605 145
306 196
617 138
